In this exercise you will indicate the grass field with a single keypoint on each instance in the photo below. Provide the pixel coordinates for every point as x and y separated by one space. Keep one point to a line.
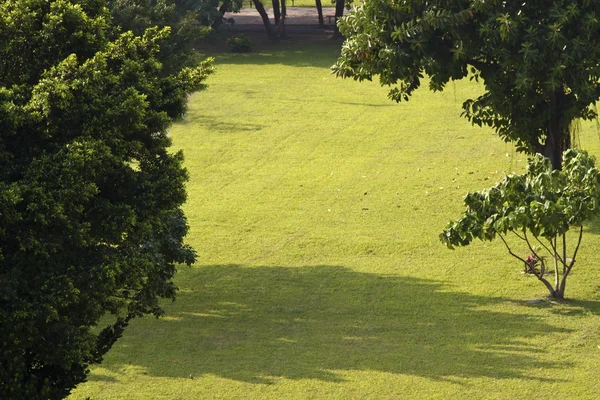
315 206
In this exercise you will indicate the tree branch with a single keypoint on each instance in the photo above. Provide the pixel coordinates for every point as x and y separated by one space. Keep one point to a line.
519 236
576 250
539 275
543 245
564 240
544 280
510 250
556 258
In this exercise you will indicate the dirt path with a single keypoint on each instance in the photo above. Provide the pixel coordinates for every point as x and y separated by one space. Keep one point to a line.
305 18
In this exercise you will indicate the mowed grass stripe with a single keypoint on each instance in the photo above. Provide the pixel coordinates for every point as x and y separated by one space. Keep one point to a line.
315 205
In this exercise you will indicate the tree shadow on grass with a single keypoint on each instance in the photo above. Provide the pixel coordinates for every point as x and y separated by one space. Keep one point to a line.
101 378
319 55
256 324
592 226
222 126
568 307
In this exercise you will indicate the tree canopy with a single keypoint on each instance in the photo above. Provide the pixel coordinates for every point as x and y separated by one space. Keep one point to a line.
539 60
90 196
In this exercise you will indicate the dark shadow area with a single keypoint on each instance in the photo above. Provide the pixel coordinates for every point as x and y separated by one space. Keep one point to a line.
592 226
302 50
100 378
578 308
350 103
256 324
220 126
563 307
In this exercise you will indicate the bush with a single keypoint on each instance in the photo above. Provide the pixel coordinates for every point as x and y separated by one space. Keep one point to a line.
240 44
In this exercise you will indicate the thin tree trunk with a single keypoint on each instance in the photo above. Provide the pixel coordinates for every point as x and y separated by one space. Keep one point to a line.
560 292
339 12
271 34
320 12
548 285
222 10
276 12
281 27
556 273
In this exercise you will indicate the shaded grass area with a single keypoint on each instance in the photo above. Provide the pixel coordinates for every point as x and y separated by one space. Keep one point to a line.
327 4
305 323
315 205
264 331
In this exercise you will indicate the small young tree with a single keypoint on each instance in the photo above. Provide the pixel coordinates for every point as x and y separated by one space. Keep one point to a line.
538 208
539 60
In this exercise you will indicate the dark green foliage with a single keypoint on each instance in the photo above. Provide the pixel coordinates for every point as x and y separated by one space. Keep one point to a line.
538 207
539 60
240 44
90 196
190 20
208 13
177 49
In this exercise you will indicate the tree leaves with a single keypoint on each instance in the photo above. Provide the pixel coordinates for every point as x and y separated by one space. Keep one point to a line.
540 63
543 201
90 195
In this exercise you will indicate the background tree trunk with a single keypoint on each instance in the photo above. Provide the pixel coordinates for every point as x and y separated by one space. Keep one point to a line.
320 12
281 27
276 12
339 12
222 10
271 34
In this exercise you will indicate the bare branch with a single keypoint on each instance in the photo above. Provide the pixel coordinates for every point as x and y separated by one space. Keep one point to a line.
543 245
556 258
510 250
545 282
519 236
539 275
555 252
564 240
575 252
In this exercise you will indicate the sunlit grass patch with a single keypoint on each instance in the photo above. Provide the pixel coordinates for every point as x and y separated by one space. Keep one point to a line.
315 206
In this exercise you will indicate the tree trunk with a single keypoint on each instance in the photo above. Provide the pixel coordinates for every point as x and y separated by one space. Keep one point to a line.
558 139
281 27
320 12
271 34
560 293
339 12
222 10
276 12
560 290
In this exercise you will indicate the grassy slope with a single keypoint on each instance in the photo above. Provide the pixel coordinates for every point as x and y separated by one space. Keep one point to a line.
315 205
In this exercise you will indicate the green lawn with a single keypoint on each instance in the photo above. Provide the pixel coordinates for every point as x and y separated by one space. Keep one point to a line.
315 204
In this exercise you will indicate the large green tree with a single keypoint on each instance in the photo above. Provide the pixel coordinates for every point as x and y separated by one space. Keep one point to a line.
539 60
90 196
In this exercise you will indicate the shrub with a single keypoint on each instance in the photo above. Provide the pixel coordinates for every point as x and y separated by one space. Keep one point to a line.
240 44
